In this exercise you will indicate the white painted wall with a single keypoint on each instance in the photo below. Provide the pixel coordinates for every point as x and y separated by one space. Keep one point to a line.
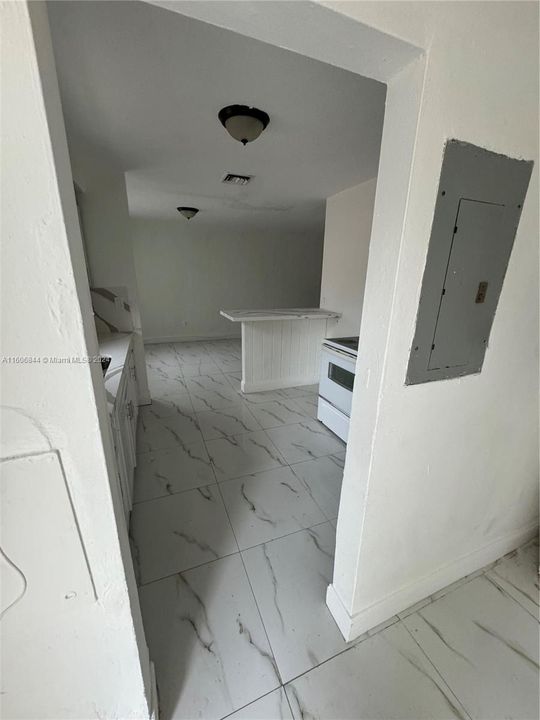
186 275
440 478
347 232
107 234
80 656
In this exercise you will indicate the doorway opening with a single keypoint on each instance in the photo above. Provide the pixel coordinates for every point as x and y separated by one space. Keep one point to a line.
217 482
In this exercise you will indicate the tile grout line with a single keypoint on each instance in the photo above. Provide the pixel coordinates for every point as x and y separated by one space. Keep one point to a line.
188 569
242 477
288 701
352 644
224 717
439 673
276 668
278 673
448 589
236 552
496 581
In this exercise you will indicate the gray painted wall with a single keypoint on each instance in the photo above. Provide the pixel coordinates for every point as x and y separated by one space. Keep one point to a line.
186 275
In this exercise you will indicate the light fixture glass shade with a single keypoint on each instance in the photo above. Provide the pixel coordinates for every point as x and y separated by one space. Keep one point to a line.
243 123
188 212
244 128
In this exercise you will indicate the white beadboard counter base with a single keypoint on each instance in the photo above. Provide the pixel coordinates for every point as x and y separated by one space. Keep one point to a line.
281 348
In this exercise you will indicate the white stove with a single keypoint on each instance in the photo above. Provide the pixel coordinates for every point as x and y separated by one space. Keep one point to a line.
338 363
345 344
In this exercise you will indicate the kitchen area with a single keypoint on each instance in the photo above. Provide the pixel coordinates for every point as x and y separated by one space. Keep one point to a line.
288 347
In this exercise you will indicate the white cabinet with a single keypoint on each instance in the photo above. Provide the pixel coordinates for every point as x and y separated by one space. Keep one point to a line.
121 466
124 427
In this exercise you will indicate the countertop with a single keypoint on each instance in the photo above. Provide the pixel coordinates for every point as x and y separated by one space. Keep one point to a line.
116 346
279 314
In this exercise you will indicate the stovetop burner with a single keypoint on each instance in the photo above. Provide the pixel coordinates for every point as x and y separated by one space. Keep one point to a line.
347 343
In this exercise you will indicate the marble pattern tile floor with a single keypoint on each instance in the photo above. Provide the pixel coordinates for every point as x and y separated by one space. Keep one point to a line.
233 534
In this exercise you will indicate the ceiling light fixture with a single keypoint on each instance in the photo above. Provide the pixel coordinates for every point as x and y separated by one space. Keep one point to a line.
188 212
243 123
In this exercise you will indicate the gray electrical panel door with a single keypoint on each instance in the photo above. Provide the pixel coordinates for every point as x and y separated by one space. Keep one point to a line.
467 303
476 216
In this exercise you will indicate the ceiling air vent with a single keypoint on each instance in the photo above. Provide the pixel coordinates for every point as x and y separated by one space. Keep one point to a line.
232 179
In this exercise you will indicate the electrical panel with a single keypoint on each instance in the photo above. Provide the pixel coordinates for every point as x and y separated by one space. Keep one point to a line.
477 212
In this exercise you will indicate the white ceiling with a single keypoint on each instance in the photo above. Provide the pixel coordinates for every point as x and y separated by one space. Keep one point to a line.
142 86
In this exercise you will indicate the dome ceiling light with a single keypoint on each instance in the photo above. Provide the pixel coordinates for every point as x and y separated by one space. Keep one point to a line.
243 123
188 212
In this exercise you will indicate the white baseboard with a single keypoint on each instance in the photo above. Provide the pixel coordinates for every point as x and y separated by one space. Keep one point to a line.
339 611
353 626
188 338
277 384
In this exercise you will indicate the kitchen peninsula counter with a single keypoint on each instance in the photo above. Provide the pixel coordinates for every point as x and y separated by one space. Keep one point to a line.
281 347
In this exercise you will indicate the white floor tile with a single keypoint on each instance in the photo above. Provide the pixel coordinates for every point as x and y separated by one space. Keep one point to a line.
167 406
230 421
226 354
308 405
181 531
305 441
163 372
486 646
253 398
268 505
193 355
414 608
518 575
300 391
224 345
210 381
165 433
243 455
277 413
234 379
165 472
386 677
223 397
206 367
273 706
207 642
382 626
454 586
166 385
161 358
229 364
290 577
323 478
